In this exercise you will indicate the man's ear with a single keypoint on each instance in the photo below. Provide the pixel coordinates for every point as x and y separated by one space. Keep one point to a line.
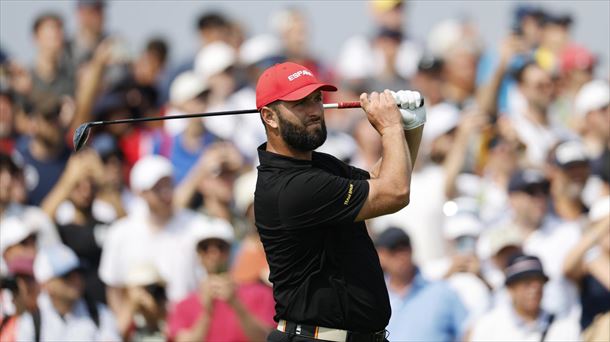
269 117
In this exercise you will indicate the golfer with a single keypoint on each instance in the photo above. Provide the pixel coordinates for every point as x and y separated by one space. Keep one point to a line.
310 207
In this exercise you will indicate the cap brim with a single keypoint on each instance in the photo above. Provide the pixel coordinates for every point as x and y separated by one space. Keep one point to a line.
306 90
525 275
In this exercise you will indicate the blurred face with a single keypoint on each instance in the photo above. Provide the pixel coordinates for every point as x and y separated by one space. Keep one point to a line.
25 248
295 36
571 179
526 294
5 186
68 288
597 122
6 116
537 87
530 205
91 18
48 130
159 198
532 30
301 123
50 36
460 67
219 184
83 194
214 255
396 261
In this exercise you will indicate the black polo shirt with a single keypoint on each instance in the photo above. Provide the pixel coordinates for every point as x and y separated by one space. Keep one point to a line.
324 267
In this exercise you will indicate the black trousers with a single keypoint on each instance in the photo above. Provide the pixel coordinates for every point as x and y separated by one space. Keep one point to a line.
278 336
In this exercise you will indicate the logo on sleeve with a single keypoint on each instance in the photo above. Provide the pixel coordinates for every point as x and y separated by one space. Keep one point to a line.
349 194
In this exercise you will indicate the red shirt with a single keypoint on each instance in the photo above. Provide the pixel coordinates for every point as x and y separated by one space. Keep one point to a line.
224 325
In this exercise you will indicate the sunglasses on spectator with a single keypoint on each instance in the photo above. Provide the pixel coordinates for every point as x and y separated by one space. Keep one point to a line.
537 190
221 245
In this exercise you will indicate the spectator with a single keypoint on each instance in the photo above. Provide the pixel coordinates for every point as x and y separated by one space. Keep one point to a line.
153 233
24 290
210 185
146 302
72 203
586 264
544 236
190 138
502 243
221 310
569 171
592 105
65 313
12 191
52 74
524 319
90 15
45 154
8 111
534 126
411 294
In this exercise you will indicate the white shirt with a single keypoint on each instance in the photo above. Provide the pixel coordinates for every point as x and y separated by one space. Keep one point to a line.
423 218
503 324
131 242
77 325
551 244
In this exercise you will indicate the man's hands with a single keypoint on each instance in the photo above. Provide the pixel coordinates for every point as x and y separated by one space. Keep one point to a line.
412 109
381 110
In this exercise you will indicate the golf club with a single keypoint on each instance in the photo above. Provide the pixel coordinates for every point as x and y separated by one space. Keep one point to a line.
81 134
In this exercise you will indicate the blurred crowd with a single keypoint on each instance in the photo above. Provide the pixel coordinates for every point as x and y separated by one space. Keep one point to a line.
148 233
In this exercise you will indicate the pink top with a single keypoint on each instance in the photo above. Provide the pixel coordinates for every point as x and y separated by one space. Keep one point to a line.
257 298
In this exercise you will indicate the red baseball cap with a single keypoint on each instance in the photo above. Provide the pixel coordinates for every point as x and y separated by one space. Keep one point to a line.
576 57
287 81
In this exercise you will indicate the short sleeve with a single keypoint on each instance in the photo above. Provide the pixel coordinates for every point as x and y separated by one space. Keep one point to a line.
110 263
316 198
183 316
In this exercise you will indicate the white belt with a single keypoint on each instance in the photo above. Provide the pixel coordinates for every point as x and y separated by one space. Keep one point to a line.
321 333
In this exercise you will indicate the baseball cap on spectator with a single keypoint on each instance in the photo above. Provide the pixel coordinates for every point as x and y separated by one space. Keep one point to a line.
288 82
524 180
558 19
570 153
443 37
14 231
523 266
143 274
214 229
442 118
148 171
258 49
55 261
187 86
592 96
21 265
392 238
214 58
110 102
576 57
462 225
381 6
503 237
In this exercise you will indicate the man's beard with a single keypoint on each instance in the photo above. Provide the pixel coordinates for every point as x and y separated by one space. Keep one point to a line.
299 138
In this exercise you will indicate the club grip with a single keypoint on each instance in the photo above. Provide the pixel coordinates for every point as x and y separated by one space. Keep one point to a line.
356 104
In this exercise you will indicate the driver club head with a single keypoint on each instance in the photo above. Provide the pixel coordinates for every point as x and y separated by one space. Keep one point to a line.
81 134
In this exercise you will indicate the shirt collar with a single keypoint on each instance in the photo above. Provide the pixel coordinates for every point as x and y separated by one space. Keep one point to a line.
539 325
270 159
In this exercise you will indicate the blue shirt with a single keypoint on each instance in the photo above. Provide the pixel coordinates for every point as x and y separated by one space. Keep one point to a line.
429 311
182 159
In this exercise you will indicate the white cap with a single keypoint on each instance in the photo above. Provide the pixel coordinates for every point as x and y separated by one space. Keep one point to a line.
462 225
443 37
259 48
244 189
186 87
54 261
593 95
500 238
148 171
213 228
12 232
143 274
599 209
570 152
214 58
442 118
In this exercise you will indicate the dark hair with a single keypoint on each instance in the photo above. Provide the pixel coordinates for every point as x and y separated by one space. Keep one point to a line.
212 20
519 73
44 17
8 163
159 48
